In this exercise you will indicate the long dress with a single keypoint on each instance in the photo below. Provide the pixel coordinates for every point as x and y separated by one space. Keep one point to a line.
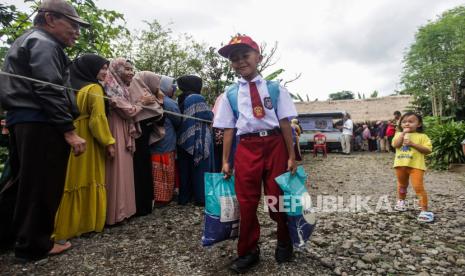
164 155
83 206
120 174
195 150
143 180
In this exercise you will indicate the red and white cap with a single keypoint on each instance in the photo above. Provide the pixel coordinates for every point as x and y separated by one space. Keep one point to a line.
239 41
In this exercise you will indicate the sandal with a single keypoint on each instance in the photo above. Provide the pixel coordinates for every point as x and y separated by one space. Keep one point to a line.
401 206
59 248
425 216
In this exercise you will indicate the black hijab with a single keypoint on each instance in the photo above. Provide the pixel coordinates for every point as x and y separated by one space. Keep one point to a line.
84 70
188 84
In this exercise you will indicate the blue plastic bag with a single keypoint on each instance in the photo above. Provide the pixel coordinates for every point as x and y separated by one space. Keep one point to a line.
221 209
300 216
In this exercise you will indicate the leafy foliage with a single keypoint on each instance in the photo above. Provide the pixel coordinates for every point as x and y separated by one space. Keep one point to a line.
12 24
435 64
217 74
159 50
342 95
446 136
106 26
155 48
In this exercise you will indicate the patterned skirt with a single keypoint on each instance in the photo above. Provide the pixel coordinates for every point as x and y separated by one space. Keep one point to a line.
163 171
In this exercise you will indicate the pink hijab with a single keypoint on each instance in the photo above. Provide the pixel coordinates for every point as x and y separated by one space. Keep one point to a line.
118 91
114 86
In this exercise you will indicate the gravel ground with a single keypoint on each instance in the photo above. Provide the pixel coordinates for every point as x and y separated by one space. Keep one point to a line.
344 243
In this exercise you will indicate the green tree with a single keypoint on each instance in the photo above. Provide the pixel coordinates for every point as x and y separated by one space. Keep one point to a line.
158 50
342 95
374 94
435 63
12 24
217 74
106 26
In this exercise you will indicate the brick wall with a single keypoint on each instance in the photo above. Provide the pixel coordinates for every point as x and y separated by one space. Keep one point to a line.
372 109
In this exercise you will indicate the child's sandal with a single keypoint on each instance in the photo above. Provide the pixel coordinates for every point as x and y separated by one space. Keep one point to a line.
400 206
425 216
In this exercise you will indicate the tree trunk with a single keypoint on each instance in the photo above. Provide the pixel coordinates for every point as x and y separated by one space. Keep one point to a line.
433 101
440 104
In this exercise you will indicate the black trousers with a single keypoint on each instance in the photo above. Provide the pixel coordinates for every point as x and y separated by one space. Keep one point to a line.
191 178
143 179
39 157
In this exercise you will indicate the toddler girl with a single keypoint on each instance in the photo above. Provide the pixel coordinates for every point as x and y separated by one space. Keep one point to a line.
411 146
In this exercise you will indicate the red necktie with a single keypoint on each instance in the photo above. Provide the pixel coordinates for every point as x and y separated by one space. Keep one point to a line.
257 106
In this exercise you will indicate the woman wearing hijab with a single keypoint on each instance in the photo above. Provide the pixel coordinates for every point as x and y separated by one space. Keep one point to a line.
164 151
194 141
83 206
121 202
146 85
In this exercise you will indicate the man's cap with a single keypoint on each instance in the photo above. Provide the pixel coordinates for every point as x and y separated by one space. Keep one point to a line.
64 8
237 42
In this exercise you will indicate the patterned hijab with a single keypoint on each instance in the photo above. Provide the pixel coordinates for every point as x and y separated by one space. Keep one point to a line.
114 85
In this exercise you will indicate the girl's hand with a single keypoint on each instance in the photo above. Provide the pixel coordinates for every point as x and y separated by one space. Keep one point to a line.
406 141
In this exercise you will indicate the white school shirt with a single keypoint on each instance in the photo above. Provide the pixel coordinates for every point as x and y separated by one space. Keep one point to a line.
348 127
246 122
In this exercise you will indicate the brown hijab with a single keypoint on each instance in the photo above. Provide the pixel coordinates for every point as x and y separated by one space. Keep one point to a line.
146 83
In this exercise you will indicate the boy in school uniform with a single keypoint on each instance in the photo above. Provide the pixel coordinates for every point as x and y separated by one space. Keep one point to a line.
260 112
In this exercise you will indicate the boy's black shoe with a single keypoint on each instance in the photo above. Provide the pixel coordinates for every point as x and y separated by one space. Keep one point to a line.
245 263
283 252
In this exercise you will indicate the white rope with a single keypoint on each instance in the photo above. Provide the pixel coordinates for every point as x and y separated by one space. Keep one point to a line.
105 97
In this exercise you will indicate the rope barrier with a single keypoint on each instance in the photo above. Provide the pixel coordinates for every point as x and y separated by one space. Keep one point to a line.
105 97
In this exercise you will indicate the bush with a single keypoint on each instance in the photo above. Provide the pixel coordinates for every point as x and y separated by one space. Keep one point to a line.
446 136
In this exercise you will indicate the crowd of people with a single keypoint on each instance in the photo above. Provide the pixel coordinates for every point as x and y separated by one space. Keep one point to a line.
368 136
92 143
126 132
376 136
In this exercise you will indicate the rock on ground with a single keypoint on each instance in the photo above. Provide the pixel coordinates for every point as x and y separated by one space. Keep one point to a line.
353 242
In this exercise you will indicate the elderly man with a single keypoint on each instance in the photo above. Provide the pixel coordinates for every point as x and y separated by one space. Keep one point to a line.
40 119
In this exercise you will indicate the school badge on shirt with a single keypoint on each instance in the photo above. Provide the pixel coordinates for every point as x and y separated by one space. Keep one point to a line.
267 103
258 112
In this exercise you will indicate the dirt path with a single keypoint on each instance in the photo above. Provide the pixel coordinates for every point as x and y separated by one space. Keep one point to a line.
353 243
